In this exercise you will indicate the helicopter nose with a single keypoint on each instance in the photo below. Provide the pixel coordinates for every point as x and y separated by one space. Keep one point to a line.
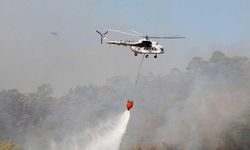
162 50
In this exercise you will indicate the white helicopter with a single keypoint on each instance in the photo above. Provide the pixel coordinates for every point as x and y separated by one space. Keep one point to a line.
143 46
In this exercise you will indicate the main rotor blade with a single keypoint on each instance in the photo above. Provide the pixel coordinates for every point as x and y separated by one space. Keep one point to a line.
136 32
98 32
167 37
131 34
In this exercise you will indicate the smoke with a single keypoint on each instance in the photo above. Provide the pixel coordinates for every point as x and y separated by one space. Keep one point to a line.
194 109
106 136
205 106
199 121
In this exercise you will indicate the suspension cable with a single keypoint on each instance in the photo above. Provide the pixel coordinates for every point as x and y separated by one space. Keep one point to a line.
139 70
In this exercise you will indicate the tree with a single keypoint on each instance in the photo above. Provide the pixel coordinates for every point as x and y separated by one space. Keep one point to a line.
44 90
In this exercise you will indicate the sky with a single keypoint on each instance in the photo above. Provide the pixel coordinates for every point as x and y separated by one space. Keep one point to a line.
30 55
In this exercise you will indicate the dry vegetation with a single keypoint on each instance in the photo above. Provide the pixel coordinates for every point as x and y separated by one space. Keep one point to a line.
162 146
9 145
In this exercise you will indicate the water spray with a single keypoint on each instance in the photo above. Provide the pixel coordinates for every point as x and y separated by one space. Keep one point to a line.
112 137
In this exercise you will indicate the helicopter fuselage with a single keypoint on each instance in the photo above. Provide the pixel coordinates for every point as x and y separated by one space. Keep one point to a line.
147 47
143 46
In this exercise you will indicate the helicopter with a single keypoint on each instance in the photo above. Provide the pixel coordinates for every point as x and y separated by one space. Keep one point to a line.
144 46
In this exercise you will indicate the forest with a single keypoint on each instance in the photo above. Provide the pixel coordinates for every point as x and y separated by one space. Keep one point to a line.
206 106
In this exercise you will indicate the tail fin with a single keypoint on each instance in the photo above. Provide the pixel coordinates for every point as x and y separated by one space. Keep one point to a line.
102 35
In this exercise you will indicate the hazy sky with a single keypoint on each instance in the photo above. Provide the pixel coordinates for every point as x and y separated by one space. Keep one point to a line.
30 55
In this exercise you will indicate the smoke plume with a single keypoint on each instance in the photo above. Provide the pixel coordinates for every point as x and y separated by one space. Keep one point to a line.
205 106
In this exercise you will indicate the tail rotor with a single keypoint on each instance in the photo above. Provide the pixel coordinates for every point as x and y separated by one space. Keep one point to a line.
102 35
